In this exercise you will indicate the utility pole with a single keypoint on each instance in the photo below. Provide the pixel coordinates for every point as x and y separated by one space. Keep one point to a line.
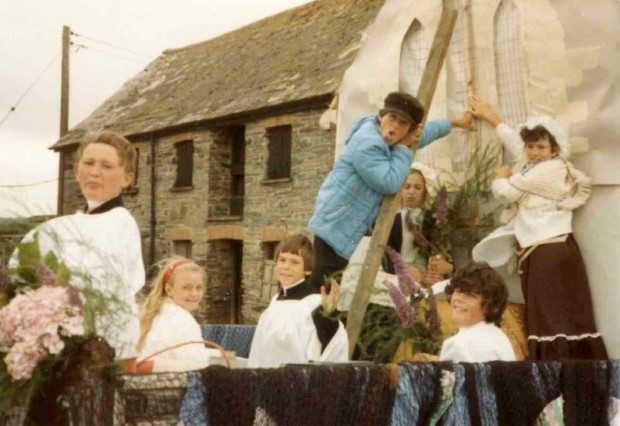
64 114
64 81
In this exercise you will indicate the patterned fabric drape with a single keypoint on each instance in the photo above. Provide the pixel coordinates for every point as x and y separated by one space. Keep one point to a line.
505 393
328 394
231 337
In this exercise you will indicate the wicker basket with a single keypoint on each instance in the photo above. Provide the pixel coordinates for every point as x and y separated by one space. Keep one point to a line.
128 365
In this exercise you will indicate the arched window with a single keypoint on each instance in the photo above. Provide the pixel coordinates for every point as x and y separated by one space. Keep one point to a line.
509 63
413 54
456 89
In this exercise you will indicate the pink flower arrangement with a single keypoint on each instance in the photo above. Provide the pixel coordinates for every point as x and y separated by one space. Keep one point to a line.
32 326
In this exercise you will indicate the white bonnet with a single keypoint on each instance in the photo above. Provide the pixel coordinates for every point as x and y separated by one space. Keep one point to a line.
430 180
553 127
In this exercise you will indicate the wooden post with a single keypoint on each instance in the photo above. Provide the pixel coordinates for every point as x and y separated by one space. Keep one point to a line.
388 208
473 136
64 115
64 81
469 45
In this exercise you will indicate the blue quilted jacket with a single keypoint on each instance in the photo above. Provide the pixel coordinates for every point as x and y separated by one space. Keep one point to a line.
367 169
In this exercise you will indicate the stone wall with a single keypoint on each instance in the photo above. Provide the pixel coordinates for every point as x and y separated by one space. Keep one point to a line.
275 208
220 159
72 200
179 208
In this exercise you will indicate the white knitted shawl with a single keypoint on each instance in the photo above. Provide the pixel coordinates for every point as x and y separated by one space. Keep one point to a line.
550 185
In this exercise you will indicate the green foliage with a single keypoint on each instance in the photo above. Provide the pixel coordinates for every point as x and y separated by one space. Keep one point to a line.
443 223
425 335
380 335
97 304
16 226
28 255
51 260
63 275
382 331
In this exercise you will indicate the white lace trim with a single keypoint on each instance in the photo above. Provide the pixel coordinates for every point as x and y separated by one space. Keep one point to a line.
567 337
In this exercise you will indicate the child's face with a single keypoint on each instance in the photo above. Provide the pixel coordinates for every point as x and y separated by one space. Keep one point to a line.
186 290
539 150
290 269
466 309
100 173
393 127
414 191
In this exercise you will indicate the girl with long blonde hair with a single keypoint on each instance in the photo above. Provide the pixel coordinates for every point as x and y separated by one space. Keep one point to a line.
166 320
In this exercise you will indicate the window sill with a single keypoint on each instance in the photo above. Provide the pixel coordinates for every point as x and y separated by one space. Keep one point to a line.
217 219
276 181
181 189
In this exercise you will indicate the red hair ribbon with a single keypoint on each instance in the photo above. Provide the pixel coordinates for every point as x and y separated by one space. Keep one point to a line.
172 267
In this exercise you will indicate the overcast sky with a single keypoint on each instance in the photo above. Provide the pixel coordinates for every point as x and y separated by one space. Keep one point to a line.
31 34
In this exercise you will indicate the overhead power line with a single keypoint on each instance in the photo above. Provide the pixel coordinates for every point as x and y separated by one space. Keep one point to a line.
94 49
36 80
24 185
113 45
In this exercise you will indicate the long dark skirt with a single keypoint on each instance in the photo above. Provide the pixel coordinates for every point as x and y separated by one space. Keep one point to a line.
559 316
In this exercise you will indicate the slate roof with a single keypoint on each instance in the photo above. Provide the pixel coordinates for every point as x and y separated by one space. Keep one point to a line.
298 54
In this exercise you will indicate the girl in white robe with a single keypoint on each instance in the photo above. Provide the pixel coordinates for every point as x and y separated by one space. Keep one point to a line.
166 323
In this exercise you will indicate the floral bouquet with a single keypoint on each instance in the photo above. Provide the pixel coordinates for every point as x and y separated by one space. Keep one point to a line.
44 321
455 215
416 308
32 324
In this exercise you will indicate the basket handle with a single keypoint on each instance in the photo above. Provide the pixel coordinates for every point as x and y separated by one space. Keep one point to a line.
192 342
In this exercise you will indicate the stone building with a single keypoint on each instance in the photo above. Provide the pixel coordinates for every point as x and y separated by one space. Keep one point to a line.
231 149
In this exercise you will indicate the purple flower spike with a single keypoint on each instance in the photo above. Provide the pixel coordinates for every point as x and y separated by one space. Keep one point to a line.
405 280
441 212
405 312
434 324
46 275
420 239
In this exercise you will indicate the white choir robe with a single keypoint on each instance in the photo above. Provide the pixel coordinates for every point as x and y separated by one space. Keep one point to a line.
103 251
286 334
